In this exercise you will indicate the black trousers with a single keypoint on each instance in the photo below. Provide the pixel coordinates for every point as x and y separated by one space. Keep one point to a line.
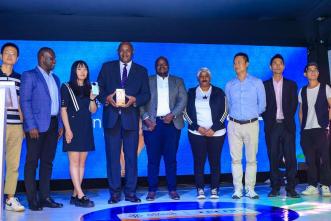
281 143
113 140
202 147
315 146
42 149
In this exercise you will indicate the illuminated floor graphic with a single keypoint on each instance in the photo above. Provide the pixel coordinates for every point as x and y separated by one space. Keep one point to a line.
189 211
310 208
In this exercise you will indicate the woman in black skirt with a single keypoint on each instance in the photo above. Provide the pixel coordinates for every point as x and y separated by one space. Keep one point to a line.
77 104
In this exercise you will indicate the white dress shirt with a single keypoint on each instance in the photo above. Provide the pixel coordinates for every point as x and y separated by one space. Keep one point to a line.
162 96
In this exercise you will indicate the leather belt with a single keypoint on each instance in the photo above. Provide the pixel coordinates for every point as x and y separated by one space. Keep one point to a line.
279 121
244 121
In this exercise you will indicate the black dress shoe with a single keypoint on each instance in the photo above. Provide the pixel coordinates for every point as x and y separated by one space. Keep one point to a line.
114 199
150 196
49 202
174 195
273 193
292 194
34 206
84 202
132 198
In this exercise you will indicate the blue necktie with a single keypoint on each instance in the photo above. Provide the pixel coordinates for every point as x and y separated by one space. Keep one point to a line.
124 76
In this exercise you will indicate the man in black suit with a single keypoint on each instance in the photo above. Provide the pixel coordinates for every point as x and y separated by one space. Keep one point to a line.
121 123
279 126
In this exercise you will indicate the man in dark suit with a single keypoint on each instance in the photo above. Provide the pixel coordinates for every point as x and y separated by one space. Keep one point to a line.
40 104
121 124
279 126
162 121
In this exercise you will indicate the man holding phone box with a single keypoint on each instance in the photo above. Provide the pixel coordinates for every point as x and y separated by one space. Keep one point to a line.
121 122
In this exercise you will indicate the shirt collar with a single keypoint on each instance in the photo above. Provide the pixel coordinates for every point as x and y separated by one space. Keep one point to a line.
127 64
279 82
11 74
161 78
44 72
247 77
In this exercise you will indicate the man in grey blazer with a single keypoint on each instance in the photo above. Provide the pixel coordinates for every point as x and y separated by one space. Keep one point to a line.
162 123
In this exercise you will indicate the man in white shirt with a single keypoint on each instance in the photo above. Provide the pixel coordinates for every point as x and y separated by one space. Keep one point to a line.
314 115
162 123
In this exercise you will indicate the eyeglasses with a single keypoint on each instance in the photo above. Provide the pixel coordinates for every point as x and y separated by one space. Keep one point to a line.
10 53
312 71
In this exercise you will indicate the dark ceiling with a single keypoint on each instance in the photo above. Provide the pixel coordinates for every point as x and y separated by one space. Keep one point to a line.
275 22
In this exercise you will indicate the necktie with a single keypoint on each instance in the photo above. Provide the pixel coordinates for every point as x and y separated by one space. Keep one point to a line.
124 76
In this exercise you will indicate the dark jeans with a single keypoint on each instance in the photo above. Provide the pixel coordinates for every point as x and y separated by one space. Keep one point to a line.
201 147
162 141
282 144
42 149
315 145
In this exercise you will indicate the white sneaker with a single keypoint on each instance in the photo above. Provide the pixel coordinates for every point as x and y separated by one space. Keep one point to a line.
310 190
201 194
252 194
237 194
325 191
12 204
214 194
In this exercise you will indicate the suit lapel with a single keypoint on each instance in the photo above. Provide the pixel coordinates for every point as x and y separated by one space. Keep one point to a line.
118 75
171 86
284 92
42 80
272 92
131 73
153 87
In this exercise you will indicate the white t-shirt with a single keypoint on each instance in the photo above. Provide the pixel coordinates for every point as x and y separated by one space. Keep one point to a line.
312 93
204 118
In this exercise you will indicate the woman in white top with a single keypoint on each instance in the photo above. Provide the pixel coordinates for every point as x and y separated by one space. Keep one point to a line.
205 114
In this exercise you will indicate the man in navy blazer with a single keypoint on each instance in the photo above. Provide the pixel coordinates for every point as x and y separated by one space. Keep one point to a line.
121 124
279 127
40 104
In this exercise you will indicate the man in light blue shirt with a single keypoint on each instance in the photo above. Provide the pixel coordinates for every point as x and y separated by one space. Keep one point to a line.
53 90
246 101
40 104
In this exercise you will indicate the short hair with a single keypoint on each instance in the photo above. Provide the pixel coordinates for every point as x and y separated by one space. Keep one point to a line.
244 55
10 44
279 56
203 69
161 58
124 43
43 50
313 63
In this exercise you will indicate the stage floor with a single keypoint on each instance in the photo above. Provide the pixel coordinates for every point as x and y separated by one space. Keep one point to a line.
282 208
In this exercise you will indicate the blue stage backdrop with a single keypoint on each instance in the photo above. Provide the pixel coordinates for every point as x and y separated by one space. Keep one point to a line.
185 60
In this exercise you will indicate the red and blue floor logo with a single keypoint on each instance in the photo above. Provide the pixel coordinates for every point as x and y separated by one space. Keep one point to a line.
193 211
